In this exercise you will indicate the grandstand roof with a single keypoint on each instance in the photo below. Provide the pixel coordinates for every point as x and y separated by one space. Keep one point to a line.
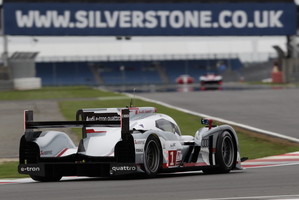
85 48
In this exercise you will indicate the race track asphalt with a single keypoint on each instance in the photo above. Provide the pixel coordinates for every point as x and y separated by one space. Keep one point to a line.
275 110
12 122
278 111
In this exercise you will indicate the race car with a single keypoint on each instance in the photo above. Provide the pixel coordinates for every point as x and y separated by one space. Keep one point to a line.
184 79
124 141
210 79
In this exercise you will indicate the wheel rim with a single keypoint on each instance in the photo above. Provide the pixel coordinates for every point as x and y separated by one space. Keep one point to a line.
228 151
152 156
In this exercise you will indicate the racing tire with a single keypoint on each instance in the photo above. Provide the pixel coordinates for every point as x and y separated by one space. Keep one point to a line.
225 156
152 156
46 178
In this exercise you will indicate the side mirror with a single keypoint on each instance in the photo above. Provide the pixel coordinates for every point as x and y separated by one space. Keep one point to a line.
207 122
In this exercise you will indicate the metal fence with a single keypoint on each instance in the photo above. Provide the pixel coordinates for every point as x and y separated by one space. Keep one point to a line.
244 57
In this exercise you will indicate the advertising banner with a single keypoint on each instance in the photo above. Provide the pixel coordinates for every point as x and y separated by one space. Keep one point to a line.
153 19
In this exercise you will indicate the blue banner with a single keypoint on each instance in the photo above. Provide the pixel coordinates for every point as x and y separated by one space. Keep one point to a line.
130 19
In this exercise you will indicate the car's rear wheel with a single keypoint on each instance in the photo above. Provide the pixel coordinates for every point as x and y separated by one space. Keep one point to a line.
225 154
152 156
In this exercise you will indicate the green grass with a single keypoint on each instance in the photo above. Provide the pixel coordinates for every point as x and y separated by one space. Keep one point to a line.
255 147
55 93
250 146
9 170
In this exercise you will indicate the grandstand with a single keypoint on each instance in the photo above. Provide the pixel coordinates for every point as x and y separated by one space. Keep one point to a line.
126 72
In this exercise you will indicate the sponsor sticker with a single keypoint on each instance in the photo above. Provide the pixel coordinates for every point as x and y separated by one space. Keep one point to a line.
205 143
139 141
102 118
172 145
139 150
122 168
48 152
32 169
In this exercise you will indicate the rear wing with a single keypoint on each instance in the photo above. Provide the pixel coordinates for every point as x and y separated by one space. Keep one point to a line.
84 119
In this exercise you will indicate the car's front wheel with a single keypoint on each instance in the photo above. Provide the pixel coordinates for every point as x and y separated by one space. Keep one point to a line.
152 156
225 154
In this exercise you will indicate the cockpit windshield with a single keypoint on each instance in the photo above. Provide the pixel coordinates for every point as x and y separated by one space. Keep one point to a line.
166 125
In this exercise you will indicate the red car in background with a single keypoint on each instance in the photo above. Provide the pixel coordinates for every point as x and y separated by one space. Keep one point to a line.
211 81
184 79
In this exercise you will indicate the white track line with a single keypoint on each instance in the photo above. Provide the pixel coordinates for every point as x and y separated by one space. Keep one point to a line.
273 134
284 197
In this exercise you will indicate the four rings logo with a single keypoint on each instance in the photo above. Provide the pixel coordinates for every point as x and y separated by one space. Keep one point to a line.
205 143
30 169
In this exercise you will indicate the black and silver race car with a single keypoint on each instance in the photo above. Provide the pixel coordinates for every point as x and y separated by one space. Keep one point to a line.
120 141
